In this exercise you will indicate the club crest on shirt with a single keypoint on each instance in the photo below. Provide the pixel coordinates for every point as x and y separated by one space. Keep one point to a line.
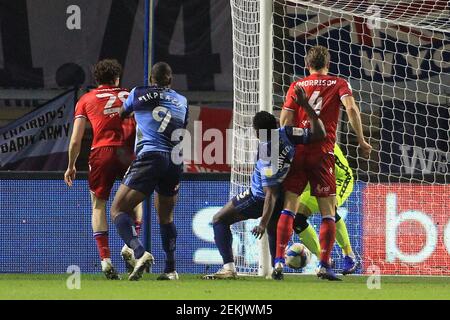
268 172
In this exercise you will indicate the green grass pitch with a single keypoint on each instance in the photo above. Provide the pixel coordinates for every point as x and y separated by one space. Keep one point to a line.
191 287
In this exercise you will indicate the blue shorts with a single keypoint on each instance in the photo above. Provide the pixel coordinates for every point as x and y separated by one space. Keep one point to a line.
252 207
152 171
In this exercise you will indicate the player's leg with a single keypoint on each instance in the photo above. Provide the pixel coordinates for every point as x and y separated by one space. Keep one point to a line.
342 236
125 201
272 236
126 252
285 224
272 228
285 227
100 229
327 235
165 200
139 182
306 233
100 226
124 157
137 216
101 179
164 207
223 238
242 207
323 187
308 236
293 185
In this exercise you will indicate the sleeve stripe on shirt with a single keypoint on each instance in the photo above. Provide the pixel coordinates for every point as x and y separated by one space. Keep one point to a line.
80 116
289 109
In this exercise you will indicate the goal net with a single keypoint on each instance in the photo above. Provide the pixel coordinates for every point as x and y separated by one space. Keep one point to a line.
396 56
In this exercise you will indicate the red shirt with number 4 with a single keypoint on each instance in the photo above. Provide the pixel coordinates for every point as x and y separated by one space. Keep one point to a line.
324 93
101 106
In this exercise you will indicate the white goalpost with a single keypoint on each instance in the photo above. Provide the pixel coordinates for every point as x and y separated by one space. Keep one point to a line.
252 34
396 56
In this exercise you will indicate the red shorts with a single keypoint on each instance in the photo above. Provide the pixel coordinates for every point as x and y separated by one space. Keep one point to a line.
106 164
315 168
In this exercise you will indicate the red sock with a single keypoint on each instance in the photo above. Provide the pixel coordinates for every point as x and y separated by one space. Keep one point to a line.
284 233
102 244
138 227
327 238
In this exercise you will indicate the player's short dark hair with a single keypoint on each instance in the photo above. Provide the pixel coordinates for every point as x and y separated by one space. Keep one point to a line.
317 57
264 120
161 74
107 71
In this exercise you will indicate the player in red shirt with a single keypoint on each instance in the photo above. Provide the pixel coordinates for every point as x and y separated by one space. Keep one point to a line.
314 163
112 149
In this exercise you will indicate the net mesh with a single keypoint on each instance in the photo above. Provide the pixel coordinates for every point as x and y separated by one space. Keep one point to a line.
395 56
246 103
429 14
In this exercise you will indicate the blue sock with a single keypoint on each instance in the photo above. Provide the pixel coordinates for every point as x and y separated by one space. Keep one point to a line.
169 240
224 241
125 227
282 260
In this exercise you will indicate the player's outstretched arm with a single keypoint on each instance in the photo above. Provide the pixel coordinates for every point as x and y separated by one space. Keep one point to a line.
124 113
269 204
79 127
354 116
317 127
287 117
127 107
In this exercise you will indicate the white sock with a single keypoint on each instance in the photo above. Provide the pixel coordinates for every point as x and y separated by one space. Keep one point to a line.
230 266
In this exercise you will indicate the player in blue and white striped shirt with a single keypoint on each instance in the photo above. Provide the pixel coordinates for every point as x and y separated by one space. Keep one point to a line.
265 195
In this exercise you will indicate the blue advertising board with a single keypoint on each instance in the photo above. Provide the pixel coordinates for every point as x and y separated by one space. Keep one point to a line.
45 227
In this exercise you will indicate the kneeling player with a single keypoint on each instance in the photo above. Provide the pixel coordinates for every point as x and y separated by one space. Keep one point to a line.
309 206
262 199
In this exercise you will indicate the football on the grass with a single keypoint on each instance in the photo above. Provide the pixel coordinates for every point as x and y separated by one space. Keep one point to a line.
297 256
